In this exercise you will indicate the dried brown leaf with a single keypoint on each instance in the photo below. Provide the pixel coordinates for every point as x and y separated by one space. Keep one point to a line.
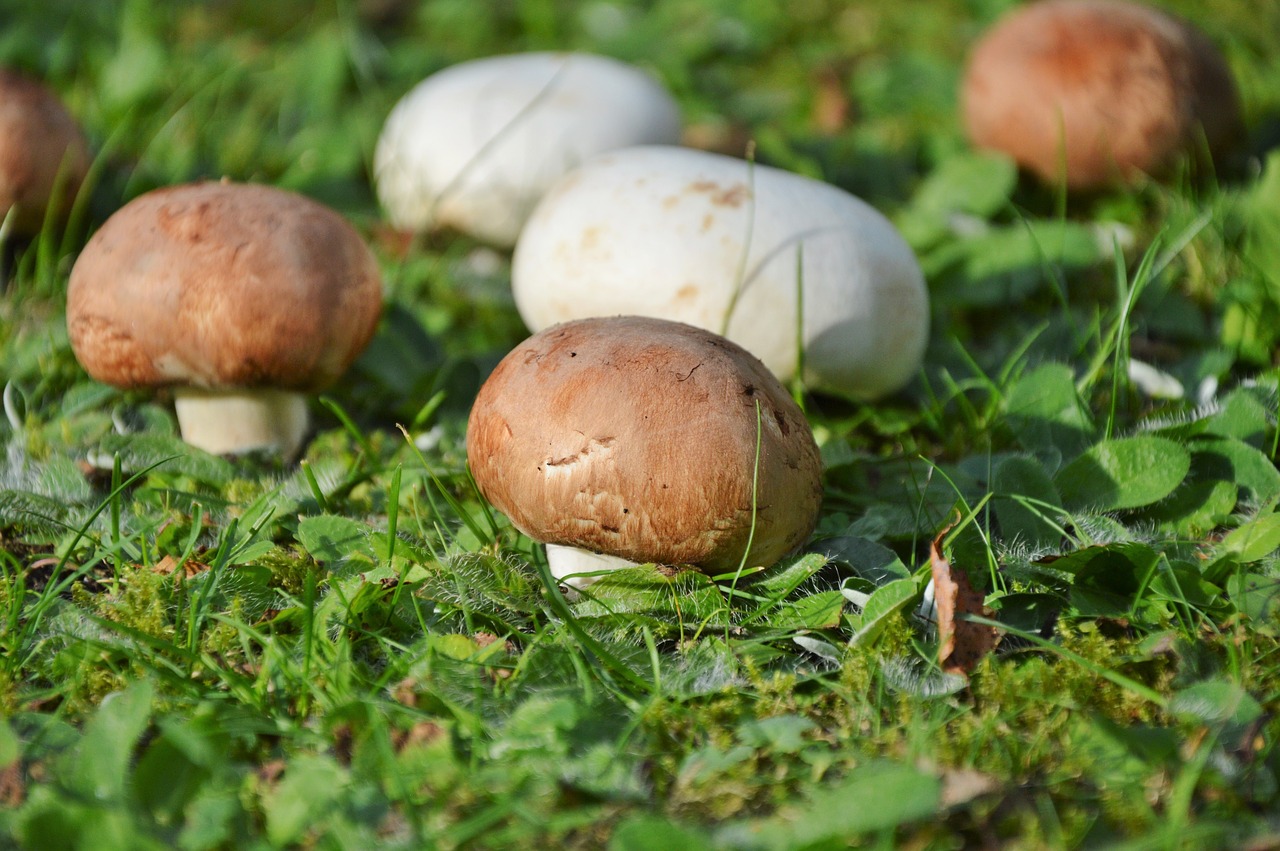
961 643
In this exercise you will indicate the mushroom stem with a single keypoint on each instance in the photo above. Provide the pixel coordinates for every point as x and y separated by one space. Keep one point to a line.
569 564
226 422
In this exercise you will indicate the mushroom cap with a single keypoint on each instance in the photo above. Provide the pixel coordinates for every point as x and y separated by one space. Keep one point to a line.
699 237
636 437
1125 86
473 147
223 285
41 149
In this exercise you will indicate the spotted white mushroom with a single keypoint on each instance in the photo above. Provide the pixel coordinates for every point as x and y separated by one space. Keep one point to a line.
628 440
242 298
736 248
474 146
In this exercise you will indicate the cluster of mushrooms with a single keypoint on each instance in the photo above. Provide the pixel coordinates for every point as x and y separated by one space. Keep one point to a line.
671 290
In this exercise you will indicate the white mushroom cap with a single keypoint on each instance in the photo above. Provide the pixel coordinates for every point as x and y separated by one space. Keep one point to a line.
1107 89
724 244
243 296
475 146
636 438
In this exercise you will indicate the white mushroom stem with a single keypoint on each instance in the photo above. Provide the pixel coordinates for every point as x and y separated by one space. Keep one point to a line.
228 422
573 566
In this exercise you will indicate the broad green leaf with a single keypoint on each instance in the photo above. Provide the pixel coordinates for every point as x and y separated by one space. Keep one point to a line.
689 597
1030 612
98 765
1045 412
1235 461
10 744
310 786
874 797
1242 416
816 611
970 182
1126 472
1216 701
780 734
1257 538
139 451
874 562
882 605
1006 264
655 833
333 540
1254 595
1021 521
1197 507
781 582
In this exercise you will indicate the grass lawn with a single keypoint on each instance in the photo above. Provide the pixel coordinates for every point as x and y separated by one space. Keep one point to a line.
355 651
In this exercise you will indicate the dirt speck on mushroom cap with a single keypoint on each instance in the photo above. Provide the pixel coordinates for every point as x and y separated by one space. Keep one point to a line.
636 437
1125 86
222 285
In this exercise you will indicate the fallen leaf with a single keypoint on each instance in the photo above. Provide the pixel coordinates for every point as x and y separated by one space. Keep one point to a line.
829 113
12 790
961 643
962 785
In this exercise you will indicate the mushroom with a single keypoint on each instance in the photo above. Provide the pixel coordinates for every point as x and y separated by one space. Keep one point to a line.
1106 90
475 146
729 246
629 439
243 298
43 154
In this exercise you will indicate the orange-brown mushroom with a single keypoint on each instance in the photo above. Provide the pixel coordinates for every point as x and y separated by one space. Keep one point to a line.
241 297
43 153
1097 92
635 439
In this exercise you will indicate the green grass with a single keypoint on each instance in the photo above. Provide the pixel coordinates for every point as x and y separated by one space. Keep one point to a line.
356 652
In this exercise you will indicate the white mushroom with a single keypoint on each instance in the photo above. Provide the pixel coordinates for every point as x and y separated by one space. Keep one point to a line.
475 146
727 245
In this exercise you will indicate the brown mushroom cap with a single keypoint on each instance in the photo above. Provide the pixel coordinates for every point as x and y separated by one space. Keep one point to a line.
636 437
41 148
1127 87
223 285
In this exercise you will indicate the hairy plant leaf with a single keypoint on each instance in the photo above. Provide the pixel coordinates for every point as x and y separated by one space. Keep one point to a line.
1045 412
311 784
882 605
1030 523
1235 461
333 541
874 797
98 765
139 451
874 562
815 611
1126 472
655 833
1216 701
1254 540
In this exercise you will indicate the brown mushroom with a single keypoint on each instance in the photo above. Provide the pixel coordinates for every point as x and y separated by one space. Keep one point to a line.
241 297
1108 90
43 154
636 438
